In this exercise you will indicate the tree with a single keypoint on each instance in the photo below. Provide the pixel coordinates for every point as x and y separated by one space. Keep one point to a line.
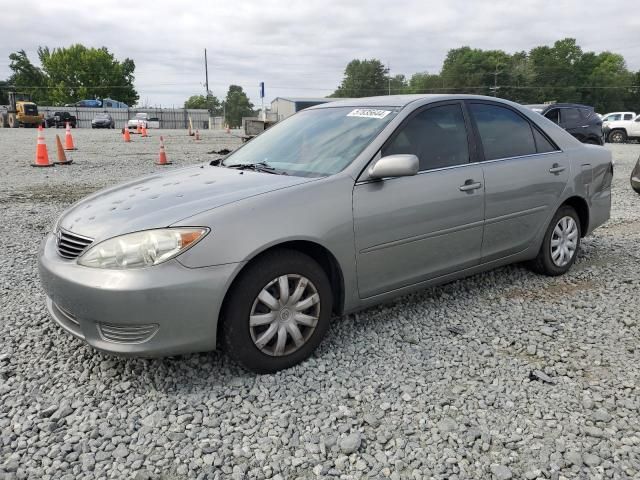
26 77
78 72
397 84
200 101
425 83
74 73
237 105
363 78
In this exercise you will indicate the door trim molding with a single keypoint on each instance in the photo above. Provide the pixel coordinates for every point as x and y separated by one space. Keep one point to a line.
417 238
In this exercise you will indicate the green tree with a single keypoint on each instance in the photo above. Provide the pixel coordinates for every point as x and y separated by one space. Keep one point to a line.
237 105
73 73
467 70
424 82
200 101
397 84
77 72
363 78
27 78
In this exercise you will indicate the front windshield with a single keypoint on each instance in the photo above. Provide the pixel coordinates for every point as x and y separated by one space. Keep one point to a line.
315 142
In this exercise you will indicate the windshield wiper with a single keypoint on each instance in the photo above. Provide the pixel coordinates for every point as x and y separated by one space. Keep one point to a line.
258 167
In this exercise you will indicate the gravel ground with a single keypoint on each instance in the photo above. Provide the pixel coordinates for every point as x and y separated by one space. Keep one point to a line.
501 375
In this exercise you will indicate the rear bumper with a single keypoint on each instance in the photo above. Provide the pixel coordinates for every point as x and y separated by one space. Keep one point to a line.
157 311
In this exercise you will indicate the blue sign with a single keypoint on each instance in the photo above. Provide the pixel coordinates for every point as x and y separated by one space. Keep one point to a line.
261 89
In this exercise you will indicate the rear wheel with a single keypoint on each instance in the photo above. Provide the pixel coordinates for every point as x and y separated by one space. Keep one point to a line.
278 312
618 136
3 122
560 244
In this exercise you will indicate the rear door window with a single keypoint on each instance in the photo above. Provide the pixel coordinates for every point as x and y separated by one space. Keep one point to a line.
503 132
569 117
437 136
628 116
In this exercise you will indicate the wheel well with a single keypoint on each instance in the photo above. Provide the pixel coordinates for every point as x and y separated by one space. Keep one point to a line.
618 129
582 209
321 255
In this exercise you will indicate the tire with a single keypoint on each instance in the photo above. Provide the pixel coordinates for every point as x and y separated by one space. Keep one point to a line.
13 121
546 263
257 347
617 136
2 120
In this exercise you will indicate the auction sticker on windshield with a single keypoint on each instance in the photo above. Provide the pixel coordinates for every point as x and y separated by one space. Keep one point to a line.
368 113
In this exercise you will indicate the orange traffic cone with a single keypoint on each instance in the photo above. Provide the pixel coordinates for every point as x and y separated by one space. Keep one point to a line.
42 156
126 135
162 159
62 157
144 131
68 139
197 135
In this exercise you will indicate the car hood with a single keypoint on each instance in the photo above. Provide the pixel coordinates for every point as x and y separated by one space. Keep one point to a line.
160 200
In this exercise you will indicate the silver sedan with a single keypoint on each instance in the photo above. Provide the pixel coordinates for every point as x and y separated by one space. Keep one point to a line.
339 207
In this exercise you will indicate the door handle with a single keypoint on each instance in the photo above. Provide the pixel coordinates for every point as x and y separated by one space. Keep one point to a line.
470 185
556 168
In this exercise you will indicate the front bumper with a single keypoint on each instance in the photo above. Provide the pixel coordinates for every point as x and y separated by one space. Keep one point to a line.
162 310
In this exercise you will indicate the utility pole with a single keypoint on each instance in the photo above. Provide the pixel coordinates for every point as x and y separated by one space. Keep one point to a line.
495 81
206 73
206 85
389 75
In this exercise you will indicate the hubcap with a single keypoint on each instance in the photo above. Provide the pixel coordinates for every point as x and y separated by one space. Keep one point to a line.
284 315
564 241
616 137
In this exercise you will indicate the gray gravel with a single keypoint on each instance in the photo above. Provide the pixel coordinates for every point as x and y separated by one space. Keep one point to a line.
501 375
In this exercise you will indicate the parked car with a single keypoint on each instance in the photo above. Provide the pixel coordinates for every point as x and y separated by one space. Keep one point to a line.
143 119
635 177
60 119
581 121
92 103
622 130
339 207
617 116
102 120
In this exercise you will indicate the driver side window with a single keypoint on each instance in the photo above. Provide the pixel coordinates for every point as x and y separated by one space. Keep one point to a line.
437 136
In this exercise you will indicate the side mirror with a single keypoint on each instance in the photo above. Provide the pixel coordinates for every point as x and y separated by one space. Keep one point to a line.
395 166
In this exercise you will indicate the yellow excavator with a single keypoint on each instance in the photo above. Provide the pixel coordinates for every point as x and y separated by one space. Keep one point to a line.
21 112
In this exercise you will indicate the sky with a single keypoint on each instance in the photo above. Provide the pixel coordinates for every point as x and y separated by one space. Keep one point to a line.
300 48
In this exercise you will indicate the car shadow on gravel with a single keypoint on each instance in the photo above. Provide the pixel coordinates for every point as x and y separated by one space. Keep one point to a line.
215 372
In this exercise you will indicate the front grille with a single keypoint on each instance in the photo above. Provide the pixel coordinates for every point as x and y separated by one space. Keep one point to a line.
128 334
71 245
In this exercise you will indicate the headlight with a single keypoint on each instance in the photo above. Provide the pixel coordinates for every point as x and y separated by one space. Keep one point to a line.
141 249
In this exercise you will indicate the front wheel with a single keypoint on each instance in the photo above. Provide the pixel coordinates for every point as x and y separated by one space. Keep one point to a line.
278 312
560 244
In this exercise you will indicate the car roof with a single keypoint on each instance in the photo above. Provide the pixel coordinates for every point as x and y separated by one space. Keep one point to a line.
401 100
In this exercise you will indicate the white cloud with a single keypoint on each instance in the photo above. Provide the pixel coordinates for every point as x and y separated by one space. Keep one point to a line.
301 48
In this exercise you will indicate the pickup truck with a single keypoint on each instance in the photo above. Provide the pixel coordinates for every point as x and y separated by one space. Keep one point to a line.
60 119
144 120
622 130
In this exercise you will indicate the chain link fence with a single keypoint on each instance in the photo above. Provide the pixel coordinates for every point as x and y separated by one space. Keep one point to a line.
168 117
